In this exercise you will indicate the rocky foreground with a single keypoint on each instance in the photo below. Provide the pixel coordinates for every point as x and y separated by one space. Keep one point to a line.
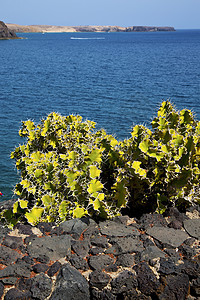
6 33
154 257
50 28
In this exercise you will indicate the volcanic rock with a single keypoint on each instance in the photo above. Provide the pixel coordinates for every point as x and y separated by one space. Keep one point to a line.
6 33
70 284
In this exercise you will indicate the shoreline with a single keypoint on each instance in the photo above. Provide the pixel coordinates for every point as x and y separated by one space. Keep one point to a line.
89 28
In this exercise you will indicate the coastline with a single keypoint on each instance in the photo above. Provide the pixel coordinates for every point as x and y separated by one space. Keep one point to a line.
89 28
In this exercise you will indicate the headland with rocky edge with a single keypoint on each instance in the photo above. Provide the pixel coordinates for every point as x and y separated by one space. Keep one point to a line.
153 257
6 33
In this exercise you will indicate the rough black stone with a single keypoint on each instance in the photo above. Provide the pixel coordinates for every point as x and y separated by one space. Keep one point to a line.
8 256
195 287
174 214
24 284
168 236
126 245
24 229
99 262
148 284
38 268
53 269
1 289
30 238
76 226
13 242
78 262
10 280
15 294
55 247
190 241
124 282
41 286
45 227
102 295
91 231
167 266
147 242
81 248
29 260
175 224
172 253
111 268
99 241
16 269
43 259
125 260
193 227
176 287
99 279
70 284
3 232
113 229
187 251
96 250
151 252
191 268
150 220
121 219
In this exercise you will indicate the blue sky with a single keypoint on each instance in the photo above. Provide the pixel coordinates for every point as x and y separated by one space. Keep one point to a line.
177 13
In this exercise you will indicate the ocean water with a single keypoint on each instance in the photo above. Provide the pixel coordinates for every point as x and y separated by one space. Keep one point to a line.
114 79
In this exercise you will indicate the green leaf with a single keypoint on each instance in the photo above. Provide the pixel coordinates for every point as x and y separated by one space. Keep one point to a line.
63 208
162 202
144 145
94 172
48 200
36 156
79 212
23 203
34 215
94 186
16 207
25 183
29 125
63 156
97 204
121 193
136 166
95 155
38 173
72 155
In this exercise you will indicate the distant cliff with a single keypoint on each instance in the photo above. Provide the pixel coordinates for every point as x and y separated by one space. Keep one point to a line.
51 28
5 32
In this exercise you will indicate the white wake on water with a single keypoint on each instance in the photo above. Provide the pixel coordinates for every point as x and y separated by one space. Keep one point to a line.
76 38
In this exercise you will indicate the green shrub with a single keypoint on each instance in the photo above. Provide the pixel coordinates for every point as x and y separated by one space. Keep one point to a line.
64 166
69 170
162 165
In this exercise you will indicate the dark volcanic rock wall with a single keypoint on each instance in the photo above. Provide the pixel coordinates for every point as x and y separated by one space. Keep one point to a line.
6 33
152 258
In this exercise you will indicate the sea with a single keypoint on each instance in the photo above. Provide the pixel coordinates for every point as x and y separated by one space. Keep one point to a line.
116 79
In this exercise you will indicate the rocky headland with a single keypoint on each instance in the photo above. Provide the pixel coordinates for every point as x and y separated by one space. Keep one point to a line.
51 28
154 257
6 33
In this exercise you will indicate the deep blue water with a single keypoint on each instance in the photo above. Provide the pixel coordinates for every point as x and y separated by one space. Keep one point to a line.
115 79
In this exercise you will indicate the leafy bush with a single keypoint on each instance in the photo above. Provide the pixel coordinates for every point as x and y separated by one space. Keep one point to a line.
69 170
162 166
64 166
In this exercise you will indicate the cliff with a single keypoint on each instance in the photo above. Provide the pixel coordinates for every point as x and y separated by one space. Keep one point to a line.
5 32
52 28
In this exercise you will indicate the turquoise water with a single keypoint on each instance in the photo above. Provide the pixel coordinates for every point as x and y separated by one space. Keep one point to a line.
115 79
